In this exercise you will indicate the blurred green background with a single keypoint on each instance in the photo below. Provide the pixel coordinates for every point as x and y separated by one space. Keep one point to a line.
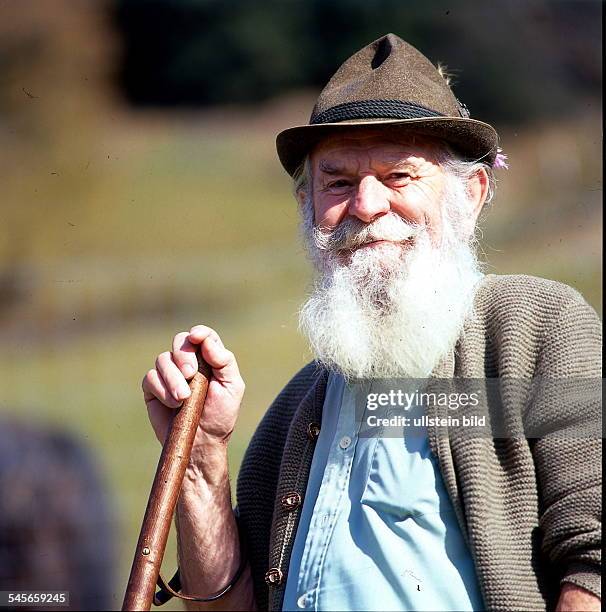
141 193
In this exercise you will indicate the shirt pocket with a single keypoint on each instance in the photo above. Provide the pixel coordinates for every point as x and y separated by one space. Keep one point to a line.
403 479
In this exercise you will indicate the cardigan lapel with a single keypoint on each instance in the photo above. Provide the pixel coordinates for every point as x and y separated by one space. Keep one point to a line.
292 485
439 438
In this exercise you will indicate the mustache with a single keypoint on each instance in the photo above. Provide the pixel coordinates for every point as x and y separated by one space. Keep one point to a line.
353 232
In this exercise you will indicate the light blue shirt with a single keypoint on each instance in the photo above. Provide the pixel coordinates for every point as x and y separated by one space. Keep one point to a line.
377 529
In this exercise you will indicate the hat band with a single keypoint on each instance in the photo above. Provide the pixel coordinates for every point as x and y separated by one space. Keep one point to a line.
373 109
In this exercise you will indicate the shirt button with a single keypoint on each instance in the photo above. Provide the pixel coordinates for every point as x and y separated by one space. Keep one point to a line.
313 431
273 577
302 601
290 501
344 442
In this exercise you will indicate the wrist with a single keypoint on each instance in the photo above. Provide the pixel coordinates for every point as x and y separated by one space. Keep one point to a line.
208 465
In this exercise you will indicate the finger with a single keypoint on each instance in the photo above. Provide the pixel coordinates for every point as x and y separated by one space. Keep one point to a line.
155 387
199 333
222 361
172 376
184 355
159 417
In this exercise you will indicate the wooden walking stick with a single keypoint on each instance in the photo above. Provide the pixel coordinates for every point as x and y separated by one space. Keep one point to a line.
164 493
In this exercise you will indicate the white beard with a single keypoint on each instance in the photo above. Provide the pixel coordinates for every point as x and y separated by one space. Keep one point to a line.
390 312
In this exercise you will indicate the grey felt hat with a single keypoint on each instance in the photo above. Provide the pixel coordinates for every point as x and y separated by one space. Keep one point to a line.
389 85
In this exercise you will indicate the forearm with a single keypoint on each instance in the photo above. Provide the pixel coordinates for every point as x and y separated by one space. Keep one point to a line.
207 534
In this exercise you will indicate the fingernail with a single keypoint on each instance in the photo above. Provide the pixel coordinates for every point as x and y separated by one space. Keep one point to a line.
188 370
181 393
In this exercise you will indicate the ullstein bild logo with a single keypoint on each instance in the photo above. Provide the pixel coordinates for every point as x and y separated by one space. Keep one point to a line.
425 421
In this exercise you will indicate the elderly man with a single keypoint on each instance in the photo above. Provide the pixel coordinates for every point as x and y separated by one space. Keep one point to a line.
390 176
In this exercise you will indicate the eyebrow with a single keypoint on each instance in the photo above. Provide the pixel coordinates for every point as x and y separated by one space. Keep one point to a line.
400 162
328 169
394 164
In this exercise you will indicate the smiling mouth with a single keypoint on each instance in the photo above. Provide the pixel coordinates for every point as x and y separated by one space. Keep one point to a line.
403 243
349 251
380 241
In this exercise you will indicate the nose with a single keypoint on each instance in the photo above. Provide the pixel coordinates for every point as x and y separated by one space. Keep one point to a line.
370 201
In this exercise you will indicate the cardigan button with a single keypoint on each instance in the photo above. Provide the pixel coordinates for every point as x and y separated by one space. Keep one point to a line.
313 431
290 501
273 577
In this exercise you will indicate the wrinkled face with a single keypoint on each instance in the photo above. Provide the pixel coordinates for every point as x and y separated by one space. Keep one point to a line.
390 239
366 175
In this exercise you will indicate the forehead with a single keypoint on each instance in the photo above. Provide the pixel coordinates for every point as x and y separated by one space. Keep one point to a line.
379 147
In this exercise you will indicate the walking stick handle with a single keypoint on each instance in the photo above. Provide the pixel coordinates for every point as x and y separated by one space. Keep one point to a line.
164 494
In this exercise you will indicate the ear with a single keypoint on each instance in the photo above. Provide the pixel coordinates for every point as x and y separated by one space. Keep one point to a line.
477 188
301 195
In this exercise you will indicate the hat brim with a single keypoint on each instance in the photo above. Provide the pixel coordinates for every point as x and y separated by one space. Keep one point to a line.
473 139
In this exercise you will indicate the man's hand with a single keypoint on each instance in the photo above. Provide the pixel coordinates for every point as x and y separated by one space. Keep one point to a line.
576 599
165 387
207 534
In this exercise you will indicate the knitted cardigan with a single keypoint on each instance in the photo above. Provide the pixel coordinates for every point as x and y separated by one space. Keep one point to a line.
529 509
